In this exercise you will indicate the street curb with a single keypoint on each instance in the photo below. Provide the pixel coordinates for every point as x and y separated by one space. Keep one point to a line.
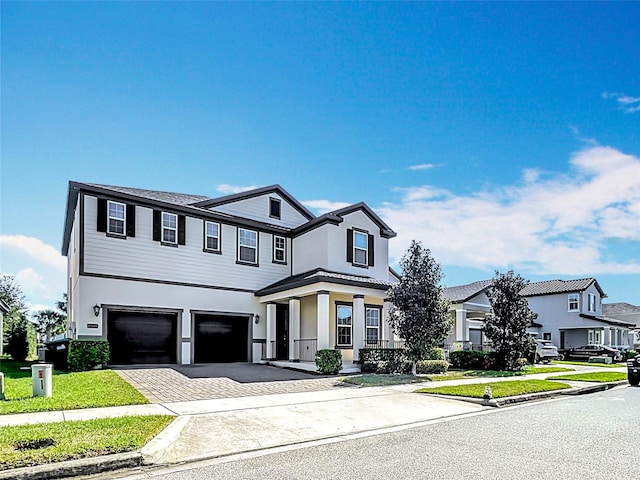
73 468
153 451
598 387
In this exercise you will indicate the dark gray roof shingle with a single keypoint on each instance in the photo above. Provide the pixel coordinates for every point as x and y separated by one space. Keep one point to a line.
462 293
168 197
549 287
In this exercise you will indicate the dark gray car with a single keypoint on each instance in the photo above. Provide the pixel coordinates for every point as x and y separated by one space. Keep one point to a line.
584 352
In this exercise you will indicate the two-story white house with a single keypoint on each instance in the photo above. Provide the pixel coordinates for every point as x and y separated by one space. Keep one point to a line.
175 278
570 314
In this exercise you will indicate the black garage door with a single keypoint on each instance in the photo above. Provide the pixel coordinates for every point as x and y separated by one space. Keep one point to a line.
136 337
219 338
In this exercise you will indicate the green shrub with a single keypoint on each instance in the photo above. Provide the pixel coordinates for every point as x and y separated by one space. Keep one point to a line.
18 344
436 354
87 354
469 359
328 361
384 360
432 366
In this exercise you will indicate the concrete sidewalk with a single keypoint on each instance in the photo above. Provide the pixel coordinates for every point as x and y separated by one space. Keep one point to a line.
206 429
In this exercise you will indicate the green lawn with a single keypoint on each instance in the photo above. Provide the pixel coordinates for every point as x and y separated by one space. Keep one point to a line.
601 377
97 388
28 445
509 373
586 364
381 380
499 389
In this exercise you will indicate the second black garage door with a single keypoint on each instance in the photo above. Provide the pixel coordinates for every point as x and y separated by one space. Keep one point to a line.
219 338
137 337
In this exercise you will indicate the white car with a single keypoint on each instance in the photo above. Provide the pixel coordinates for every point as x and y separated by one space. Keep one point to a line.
546 351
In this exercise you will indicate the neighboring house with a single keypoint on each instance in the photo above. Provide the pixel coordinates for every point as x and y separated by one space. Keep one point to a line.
627 313
4 308
469 307
174 278
570 313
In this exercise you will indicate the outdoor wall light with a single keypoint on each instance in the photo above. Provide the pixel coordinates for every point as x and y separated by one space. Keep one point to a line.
256 318
96 309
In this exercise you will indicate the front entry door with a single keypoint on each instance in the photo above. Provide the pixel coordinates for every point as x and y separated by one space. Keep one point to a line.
282 332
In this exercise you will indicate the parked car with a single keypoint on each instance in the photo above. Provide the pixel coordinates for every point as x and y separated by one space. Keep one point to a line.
546 351
584 352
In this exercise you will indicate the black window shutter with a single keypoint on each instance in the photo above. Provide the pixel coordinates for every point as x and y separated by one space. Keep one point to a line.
350 245
156 225
102 215
181 230
131 220
371 252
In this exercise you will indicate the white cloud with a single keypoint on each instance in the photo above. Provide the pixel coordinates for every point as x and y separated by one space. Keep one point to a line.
229 189
552 225
36 249
31 282
324 206
422 166
627 103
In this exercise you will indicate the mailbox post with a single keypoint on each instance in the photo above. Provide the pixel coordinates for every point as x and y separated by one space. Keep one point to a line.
41 379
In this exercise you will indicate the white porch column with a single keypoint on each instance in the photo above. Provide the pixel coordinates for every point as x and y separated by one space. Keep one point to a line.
271 330
294 327
387 331
462 327
358 325
607 336
322 327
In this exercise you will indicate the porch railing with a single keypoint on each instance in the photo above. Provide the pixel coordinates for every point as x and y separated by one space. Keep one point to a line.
305 349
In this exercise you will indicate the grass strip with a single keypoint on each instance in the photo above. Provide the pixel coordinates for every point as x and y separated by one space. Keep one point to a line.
600 377
499 389
29 445
97 388
381 380
586 364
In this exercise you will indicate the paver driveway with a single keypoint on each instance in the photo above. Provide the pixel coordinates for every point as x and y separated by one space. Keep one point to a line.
180 383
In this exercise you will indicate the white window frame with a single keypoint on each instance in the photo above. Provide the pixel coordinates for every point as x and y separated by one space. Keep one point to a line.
116 218
277 249
594 337
207 236
573 298
372 328
168 228
345 326
592 302
365 249
244 244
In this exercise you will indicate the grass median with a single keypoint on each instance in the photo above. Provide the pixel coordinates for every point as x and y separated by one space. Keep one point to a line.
587 364
600 377
499 389
97 388
28 445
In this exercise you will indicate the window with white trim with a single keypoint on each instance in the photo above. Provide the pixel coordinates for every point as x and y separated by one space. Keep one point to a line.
344 316
116 218
279 249
212 236
573 302
169 227
247 246
360 248
592 302
372 325
595 337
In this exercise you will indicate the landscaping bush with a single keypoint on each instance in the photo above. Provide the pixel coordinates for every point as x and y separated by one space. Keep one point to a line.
328 361
436 354
432 366
18 344
470 360
87 354
384 360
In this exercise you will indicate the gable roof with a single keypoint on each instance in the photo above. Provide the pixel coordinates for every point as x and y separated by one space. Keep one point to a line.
462 293
235 197
551 287
608 320
336 217
321 275
622 311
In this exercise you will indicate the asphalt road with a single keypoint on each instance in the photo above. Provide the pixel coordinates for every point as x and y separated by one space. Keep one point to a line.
590 436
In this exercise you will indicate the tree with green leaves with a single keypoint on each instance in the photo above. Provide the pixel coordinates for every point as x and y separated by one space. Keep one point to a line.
18 332
419 314
507 326
49 323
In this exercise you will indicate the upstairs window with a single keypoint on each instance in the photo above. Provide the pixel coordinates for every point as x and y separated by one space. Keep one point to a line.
274 208
573 302
212 237
360 248
116 213
169 227
279 249
247 246
592 302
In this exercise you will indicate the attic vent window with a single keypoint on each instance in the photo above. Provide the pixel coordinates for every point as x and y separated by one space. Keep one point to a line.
274 208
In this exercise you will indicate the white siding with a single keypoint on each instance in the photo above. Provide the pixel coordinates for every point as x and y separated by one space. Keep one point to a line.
141 257
257 208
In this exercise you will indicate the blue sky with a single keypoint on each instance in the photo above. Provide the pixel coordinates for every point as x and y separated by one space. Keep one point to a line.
501 135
